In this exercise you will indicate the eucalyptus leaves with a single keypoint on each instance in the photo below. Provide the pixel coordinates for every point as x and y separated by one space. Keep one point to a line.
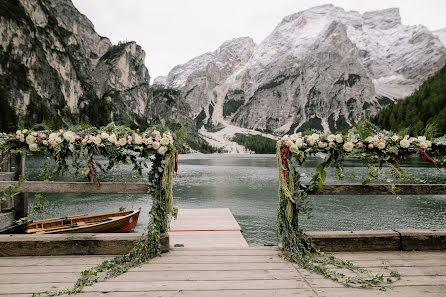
374 148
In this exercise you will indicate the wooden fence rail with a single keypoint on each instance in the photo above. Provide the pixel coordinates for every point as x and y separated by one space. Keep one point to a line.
142 188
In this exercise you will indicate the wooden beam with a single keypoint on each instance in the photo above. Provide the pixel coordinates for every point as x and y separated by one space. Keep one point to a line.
72 244
378 189
80 187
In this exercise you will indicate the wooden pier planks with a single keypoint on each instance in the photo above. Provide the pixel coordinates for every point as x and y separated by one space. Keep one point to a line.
255 271
206 228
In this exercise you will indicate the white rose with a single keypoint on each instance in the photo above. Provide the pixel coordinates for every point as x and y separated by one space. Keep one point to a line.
315 136
404 143
395 138
155 133
331 144
22 137
18 132
157 138
294 137
294 148
423 145
165 141
412 139
339 138
129 139
138 139
299 142
369 139
97 140
429 143
148 141
156 145
33 147
24 131
289 143
348 146
162 150
331 138
70 136
421 138
104 135
113 138
52 137
122 141
34 133
30 139
381 145
322 144
285 138
45 142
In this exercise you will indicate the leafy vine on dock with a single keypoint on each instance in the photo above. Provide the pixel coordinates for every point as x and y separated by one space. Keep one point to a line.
370 144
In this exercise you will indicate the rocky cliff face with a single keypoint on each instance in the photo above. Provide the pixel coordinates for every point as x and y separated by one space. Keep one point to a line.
321 68
56 69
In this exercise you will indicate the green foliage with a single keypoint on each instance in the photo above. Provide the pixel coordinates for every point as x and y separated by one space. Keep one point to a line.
256 143
114 51
231 106
426 106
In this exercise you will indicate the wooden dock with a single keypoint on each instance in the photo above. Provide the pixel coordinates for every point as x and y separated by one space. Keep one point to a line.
216 261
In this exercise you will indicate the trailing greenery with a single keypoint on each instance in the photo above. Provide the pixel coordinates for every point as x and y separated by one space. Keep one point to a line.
367 142
118 144
256 143
426 106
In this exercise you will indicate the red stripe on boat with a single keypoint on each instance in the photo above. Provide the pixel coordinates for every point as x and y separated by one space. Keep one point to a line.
129 228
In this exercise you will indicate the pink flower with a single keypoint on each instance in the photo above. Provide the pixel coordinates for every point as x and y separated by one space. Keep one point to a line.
371 146
289 143
78 138
117 143
358 144
42 136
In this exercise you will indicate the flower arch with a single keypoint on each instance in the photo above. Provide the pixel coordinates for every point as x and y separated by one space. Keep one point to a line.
374 150
119 145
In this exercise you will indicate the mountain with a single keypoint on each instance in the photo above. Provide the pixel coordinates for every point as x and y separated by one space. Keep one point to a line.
55 68
426 106
441 34
322 68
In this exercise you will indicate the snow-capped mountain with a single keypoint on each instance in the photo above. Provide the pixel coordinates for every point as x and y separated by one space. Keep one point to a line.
321 68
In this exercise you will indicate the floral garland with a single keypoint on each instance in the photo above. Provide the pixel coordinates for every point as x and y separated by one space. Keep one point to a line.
378 149
118 144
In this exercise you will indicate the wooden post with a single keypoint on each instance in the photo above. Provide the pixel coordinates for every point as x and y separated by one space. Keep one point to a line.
5 163
20 200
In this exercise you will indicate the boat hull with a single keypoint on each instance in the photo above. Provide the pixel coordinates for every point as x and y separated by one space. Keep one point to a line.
114 222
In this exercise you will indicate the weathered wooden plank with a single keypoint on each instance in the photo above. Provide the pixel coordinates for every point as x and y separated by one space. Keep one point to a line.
423 239
214 293
220 252
9 289
388 255
216 259
217 239
6 219
51 261
146 276
79 187
71 244
410 291
378 189
110 286
405 281
355 241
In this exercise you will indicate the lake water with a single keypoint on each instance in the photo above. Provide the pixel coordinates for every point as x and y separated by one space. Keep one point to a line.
247 185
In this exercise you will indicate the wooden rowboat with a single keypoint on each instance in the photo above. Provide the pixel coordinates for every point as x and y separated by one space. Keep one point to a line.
124 221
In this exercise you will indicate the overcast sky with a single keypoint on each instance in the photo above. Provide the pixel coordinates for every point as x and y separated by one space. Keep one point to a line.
173 31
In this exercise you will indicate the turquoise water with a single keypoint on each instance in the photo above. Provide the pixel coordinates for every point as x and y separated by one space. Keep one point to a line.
247 185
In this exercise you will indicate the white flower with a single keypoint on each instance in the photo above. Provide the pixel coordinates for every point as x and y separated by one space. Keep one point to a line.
381 145
395 138
339 138
165 141
429 143
45 142
331 144
412 139
84 141
148 141
421 138
162 150
70 136
294 148
156 145
348 146
294 137
112 138
405 143
24 131
22 137
157 138
423 145
369 139
104 135
33 147
52 137
138 139
30 139
285 138
289 143
129 139
18 132
34 133
331 138
322 144
155 133
315 136
299 142
97 139
122 141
